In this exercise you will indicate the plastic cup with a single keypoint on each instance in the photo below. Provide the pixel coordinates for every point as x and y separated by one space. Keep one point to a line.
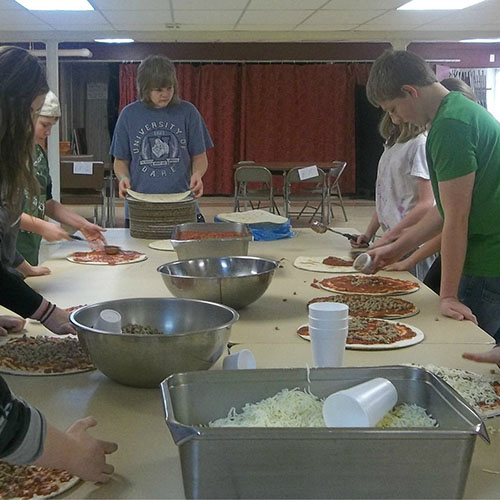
328 346
363 263
363 405
328 323
241 360
328 310
328 331
109 320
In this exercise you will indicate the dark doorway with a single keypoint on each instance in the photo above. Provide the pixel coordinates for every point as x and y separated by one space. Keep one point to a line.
369 144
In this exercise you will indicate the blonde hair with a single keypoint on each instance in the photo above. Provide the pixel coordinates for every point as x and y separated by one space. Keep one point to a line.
156 72
457 85
393 133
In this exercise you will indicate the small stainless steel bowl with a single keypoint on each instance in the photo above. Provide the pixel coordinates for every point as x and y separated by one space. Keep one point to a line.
195 335
233 281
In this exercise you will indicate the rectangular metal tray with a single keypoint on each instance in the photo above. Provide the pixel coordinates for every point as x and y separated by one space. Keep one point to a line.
318 462
222 247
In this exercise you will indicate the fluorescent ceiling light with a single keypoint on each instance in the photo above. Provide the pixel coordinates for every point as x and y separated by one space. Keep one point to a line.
56 4
114 40
482 40
438 4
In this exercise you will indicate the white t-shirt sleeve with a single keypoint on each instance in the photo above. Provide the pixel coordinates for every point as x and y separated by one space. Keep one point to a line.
418 158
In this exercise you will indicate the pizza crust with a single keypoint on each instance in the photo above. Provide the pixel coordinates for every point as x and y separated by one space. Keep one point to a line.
160 197
253 217
63 488
419 336
316 264
139 258
162 245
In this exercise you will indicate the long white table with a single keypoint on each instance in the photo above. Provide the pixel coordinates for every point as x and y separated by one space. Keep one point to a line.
147 463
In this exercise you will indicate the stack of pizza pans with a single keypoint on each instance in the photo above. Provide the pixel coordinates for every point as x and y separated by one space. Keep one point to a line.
156 221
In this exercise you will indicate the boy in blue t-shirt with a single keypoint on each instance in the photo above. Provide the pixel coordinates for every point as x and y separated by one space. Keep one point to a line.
160 141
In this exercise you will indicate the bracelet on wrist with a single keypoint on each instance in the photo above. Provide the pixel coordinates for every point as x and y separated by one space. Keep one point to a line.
48 313
121 177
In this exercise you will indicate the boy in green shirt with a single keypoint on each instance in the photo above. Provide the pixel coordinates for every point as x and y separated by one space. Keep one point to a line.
33 225
463 154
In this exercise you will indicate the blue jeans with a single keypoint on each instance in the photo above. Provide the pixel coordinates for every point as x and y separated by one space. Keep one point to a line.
482 296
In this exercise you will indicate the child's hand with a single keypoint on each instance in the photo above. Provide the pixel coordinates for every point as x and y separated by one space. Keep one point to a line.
89 454
11 324
492 356
196 185
361 242
123 186
54 232
93 233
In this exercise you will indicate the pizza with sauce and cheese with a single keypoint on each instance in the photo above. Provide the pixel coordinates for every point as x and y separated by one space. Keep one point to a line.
29 482
43 355
100 257
368 285
368 306
328 264
371 333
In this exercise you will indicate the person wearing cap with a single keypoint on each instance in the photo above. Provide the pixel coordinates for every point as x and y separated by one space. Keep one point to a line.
33 225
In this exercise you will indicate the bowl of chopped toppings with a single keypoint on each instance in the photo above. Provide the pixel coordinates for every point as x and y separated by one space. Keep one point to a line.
159 336
233 281
210 239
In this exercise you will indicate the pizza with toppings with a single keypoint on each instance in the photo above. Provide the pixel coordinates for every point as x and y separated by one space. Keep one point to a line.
100 257
328 264
367 306
371 333
480 391
29 482
368 285
43 355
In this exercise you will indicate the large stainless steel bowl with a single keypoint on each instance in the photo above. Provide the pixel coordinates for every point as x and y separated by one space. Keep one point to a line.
233 281
195 335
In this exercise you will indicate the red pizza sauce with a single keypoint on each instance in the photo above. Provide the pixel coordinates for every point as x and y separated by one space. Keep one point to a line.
209 235
102 256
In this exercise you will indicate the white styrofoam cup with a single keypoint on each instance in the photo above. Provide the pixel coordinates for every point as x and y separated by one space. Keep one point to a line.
328 346
362 405
109 320
328 310
328 323
241 360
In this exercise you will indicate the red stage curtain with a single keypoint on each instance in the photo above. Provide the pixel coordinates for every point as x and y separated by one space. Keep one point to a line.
128 90
213 89
273 112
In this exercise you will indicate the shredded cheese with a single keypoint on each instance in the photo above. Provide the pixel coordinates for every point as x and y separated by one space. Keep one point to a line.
301 408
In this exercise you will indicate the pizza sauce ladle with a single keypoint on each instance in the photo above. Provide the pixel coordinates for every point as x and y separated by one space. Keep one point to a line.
321 228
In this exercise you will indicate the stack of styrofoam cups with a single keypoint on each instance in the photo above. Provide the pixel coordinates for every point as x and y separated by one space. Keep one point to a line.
328 324
362 405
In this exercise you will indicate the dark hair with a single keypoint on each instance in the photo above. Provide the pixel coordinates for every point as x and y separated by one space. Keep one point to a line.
457 85
156 72
392 70
22 80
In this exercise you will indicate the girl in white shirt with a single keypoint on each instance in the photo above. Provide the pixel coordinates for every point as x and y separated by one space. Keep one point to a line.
403 189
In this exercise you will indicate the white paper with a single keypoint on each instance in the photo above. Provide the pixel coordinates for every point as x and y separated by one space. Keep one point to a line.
308 172
83 167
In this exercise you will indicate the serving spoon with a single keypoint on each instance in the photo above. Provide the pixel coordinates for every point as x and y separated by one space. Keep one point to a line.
321 228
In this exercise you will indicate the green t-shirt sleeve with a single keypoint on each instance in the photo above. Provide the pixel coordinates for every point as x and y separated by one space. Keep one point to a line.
452 149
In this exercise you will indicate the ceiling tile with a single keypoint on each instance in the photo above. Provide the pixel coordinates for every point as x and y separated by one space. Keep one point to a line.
265 27
343 16
363 4
398 18
131 4
130 17
10 5
84 27
207 17
69 17
20 18
204 27
326 27
277 17
209 4
285 4
125 28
